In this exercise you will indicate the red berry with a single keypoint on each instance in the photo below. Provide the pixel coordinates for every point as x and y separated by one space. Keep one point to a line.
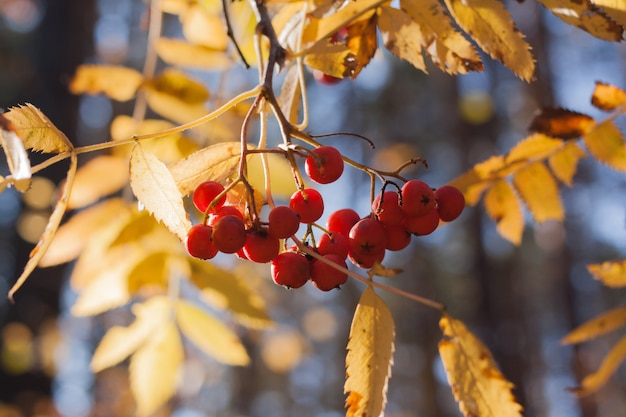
224 211
368 242
450 202
326 79
290 270
398 237
325 166
283 222
308 203
336 243
417 198
205 193
198 242
260 246
342 221
389 211
326 277
229 234
422 225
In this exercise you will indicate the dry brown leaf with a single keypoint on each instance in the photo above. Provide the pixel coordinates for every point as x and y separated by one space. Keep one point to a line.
597 326
593 382
477 384
116 82
36 130
612 274
561 123
184 54
584 15
402 36
503 205
99 177
539 190
606 143
608 97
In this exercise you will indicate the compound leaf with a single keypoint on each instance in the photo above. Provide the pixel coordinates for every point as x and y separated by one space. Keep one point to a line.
597 326
477 384
401 35
612 274
564 162
36 130
537 146
539 190
584 15
606 143
503 205
370 356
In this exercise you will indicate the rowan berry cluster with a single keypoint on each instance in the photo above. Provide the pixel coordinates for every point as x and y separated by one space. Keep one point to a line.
415 209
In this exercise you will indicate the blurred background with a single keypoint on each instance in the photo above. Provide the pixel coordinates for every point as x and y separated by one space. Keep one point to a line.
519 300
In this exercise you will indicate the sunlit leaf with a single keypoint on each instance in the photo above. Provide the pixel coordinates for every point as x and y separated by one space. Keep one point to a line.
36 130
608 97
154 187
216 162
332 59
489 24
503 205
99 177
597 326
561 123
446 46
474 182
615 9
153 271
612 274
534 147
210 335
402 36
370 356
17 160
593 382
281 176
203 28
48 234
478 386
583 15
606 143
184 54
116 82
564 162
539 190
176 7
362 42
289 98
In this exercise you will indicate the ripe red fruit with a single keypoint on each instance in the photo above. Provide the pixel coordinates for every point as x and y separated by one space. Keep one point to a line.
205 193
198 242
290 270
342 220
450 202
417 198
283 222
336 243
325 166
229 234
398 237
422 225
224 211
388 211
260 246
368 242
326 79
325 277
308 203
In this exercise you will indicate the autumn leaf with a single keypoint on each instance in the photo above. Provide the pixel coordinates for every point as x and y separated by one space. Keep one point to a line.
210 335
561 123
290 95
564 162
478 179
153 185
107 289
491 26
152 272
362 42
502 204
281 175
534 147
401 35
184 54
539 190
608 97
584 15
203 28
615 9
36 130
606 143
332 59
477 384
99 177
17 160
593 382
612 274
370 356
116 82
597 326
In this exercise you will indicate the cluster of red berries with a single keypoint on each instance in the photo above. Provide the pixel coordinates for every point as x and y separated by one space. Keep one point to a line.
415 209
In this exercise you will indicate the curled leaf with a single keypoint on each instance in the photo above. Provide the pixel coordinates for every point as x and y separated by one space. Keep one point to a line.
561 123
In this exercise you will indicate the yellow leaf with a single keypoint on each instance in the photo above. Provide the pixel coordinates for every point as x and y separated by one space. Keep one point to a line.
539 190
48 234
503 205
402 36
615 9
290 95
447 47
491 26
228 291
332 59
564 162
534 147
216 162
181 53
99 177
118 83
478 179
17 160
593 382
477 384
180 85
370 356
597 326
36 130
608 97
154 369
174 6
612 274
154 187
203 28
561 123
585 16
280 173
362 42
606 143
152 271
210 335
70 240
